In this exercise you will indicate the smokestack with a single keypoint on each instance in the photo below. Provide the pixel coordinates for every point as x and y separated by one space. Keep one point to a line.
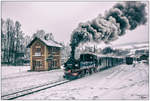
121 17
73 52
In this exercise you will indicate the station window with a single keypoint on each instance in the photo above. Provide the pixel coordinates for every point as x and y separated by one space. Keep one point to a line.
37 64
38 52
54 63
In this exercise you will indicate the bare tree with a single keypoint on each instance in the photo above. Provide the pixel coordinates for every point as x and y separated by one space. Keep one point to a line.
39 33
2 40
9 39
12 40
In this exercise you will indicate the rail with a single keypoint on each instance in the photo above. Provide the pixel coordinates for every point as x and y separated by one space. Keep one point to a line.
32 90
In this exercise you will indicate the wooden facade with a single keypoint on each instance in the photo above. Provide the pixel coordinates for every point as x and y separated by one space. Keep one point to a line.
44 56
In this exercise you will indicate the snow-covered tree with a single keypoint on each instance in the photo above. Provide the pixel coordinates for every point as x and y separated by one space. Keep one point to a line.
39 33
12 40
49 36
9 40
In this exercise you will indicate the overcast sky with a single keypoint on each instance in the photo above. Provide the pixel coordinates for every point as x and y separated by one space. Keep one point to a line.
61 18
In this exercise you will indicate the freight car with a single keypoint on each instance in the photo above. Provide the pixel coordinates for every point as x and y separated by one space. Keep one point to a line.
129 60
88 63
105 62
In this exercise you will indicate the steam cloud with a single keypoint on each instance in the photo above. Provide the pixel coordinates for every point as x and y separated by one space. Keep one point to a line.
121 17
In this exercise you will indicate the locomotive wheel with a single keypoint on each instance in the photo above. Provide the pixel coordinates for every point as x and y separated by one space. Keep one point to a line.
82 73
95 70
85 72
90 71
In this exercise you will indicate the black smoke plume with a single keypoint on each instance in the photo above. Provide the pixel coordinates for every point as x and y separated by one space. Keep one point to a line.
122 17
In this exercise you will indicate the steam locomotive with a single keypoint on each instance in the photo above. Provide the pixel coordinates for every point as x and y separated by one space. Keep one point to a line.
88 63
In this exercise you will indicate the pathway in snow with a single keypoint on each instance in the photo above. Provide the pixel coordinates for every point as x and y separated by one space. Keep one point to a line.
121 82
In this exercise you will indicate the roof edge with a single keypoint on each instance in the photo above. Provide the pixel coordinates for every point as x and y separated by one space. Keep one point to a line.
36 38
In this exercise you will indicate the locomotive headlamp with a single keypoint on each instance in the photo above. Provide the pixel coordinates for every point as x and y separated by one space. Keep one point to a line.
69 71
76 65
74 74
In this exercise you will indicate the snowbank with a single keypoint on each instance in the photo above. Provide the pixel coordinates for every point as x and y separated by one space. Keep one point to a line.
121 82
10 70
18 78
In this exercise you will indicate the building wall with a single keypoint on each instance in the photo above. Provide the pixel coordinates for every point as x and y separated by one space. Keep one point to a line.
45 53
45 57
55 53
31 58
35 59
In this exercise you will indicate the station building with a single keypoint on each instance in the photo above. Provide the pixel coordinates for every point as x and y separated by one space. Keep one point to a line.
44 54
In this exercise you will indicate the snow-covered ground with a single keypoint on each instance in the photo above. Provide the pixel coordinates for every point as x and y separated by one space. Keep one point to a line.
18 78
11 70
132 46
120 82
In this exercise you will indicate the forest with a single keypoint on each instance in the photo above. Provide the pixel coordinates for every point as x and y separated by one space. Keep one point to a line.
14 42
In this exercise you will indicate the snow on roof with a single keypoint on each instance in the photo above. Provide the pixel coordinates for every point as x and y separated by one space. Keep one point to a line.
123 47
50 43
132 46
142 45
144 48
103 55
46 42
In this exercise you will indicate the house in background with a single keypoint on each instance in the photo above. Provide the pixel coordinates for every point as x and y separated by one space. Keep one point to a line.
44 54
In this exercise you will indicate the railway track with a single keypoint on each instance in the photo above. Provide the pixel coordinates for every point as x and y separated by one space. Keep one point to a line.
38 88
32 90
35 89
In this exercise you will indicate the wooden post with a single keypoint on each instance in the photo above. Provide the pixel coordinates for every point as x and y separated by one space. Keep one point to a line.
45 57
31 58
59 58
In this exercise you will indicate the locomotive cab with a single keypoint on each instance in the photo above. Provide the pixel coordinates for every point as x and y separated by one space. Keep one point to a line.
88 60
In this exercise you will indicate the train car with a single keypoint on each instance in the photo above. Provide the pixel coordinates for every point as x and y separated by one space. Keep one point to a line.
89 63
129 60
105 62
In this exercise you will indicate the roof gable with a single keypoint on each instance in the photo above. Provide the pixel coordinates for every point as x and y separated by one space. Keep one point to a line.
49 43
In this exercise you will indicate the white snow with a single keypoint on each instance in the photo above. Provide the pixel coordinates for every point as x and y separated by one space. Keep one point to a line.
14 79
120 82
50 42
123 47
142 45
10 70
138 46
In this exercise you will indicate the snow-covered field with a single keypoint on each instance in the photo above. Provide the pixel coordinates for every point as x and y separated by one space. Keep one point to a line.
11 70
14 79
121 82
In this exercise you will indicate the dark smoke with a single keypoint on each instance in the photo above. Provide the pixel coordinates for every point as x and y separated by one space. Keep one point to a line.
121 17
134 11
